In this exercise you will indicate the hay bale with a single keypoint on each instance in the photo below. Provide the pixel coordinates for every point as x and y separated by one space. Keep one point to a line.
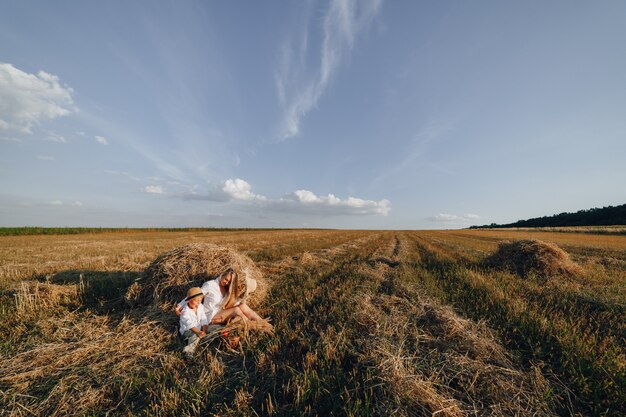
525 257
169 276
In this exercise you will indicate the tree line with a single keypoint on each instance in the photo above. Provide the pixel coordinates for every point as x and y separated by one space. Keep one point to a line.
605 216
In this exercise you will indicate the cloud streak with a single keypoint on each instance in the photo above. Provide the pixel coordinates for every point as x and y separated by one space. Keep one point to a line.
55 137
453 218
26 100
299 90
11 139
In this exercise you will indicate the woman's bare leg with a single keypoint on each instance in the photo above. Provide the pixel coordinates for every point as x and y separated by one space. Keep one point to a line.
248 312
223 316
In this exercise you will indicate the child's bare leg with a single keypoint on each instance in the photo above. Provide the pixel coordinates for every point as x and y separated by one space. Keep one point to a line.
248 312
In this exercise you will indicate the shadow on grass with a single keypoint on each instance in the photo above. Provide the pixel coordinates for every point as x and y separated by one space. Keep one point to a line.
102 293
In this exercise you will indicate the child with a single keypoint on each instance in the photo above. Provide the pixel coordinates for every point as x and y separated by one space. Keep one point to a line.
193 320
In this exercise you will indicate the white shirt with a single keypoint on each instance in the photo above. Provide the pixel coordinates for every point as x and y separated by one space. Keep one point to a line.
190 318
213 298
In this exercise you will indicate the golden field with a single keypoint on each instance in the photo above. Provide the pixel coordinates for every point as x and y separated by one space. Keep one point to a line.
366 323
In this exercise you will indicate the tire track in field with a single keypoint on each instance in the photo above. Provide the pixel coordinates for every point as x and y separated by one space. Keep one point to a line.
432 360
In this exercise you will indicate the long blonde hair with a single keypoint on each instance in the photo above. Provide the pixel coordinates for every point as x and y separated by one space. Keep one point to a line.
236 289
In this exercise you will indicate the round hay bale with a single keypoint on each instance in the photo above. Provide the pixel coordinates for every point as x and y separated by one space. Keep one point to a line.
169 276
525 257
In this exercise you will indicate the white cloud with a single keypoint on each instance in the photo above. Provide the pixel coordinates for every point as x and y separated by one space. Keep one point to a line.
45 158
56 202
102 140
300 201
305 196
299 91
153 189
453 218
239 189
307 201
78 203
27 99
54 137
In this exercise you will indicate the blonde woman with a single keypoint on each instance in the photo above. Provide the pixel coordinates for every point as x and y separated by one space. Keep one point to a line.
224 298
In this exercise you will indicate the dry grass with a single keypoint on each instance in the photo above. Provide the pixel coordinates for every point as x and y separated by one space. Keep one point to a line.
365 323
437 362
575 324
72 348
31 297
89 361
40 256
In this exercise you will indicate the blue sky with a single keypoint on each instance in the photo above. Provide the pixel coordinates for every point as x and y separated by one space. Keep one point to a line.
347 114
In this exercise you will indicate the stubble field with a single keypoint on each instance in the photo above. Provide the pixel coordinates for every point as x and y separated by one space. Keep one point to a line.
366 323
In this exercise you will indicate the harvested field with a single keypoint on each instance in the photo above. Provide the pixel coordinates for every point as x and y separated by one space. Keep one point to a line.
410 323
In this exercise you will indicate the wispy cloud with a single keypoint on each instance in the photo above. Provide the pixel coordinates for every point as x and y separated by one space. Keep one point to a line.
418 146
453 218
27 99
55 137
45 158
102 140
10 139
130 137
123 174
300 89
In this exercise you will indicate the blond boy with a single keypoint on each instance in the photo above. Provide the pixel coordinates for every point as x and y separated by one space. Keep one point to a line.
193 319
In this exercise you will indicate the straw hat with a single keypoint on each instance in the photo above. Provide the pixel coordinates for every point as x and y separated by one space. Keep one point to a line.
193 292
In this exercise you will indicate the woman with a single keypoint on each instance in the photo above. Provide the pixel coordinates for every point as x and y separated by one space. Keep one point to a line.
223 298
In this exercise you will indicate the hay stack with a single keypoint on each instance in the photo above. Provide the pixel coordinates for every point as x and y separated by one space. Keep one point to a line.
525 257
169 276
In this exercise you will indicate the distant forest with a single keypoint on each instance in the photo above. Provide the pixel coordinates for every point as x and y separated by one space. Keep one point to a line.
605 216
